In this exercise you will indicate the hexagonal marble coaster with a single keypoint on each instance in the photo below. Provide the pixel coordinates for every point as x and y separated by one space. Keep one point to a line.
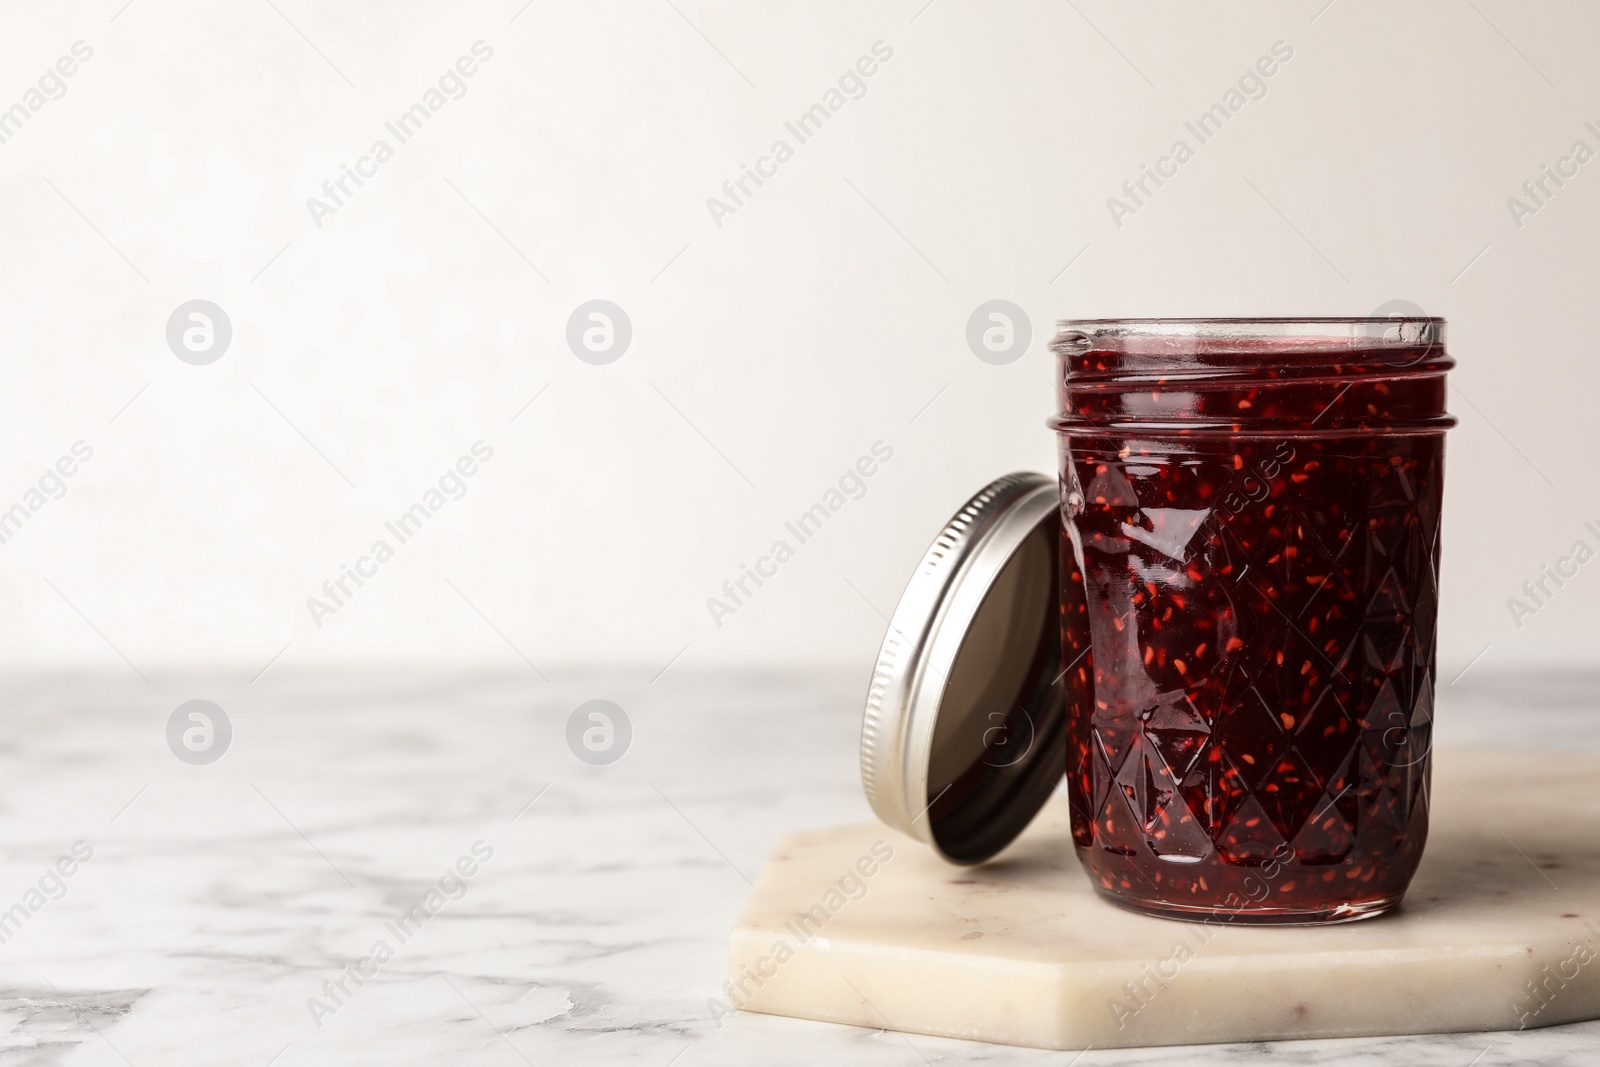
1500 930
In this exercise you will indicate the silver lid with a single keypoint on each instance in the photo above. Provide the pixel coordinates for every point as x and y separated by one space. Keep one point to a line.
964 736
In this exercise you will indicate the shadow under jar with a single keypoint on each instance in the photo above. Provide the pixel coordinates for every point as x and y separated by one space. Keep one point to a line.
1249 592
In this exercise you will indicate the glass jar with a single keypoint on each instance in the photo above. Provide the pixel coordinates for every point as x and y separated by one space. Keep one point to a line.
1249 581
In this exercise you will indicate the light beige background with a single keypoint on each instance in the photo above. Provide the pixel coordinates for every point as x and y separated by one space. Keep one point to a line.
768 353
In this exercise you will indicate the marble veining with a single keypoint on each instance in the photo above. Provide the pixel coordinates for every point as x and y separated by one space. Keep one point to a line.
220 899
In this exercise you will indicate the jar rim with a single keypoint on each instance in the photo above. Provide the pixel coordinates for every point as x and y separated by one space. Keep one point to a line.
1172 374
1216 335
1250 321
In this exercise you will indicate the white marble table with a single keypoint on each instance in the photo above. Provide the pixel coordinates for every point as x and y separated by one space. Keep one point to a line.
219 899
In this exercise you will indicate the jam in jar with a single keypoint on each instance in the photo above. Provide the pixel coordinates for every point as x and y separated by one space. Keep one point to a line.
1249 580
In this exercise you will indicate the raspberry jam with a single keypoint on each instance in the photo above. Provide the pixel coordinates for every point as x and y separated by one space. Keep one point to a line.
1250 588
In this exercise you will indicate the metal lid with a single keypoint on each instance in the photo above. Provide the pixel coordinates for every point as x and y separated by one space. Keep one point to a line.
964 736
